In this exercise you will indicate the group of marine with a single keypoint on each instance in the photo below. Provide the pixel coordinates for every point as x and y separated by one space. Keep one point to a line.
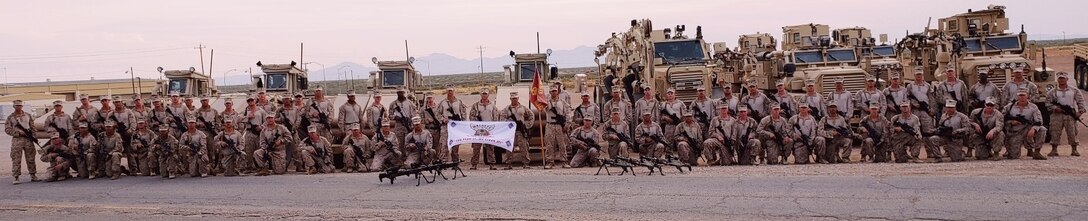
174 137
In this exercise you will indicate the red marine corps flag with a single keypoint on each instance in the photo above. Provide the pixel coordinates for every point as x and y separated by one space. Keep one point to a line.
534 92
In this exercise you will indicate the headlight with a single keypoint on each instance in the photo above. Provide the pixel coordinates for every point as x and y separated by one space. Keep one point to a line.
1049 87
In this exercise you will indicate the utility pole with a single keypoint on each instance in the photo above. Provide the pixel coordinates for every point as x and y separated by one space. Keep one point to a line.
481 50
201 48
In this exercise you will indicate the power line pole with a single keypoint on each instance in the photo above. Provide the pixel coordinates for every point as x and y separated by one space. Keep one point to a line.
481 50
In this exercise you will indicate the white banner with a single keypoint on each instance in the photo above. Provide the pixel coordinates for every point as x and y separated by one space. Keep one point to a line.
497 133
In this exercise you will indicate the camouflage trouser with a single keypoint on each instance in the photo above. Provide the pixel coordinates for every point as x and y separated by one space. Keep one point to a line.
898 142
213 159
669 131
168 164
556 144
418 156
716 153
747 154
488 152
197 164
520 152
350 161
401 132
925 123
114 164
837 149
684 151
1060 123
652 149
58 166
869 150
772 151
440 147
982 150
229 162
95 165
315 162
23 149
584 157
618 149
802 154
278 158
384 161
953 147
1017 140
252 144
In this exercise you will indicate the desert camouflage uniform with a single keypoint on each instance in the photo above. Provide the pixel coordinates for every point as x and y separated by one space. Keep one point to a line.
585 154
194 152
806 126
483 112
21 147
520 113
899 141
317 155
556 141
386 153
953 144
276 153
995 124
1017 134
773 151
230 158
1061 121
442 149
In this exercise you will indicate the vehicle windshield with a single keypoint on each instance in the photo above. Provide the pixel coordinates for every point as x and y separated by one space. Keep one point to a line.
993 44
841 55
393 78
806 57
679 51
884 51
275 81
178 86
528 70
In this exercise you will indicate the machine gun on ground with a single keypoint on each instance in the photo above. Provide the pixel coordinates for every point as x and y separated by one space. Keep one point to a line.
605 163
669 161
637 162
435 169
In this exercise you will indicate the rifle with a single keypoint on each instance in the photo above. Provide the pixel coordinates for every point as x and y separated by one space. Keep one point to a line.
402 119
872 132
436 124
322 117
193 149
521 128
804 141
906 128
268 149
359 156
891 100
985 129
177 120
674 119
419 149
453 115
231 145
27 134
921 104
815 113
63 132
1068 110
657 139
726 141
578 112
588 143
381 113
786 111
1022 119
320 152
623 137
388 144
700 115
841 130
559 118
283 115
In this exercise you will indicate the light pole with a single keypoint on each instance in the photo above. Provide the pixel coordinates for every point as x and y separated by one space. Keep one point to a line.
6 80
345 74
225 75
323 76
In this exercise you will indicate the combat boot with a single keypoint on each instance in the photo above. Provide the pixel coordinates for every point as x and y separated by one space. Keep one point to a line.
34 178
1037 155
1053 151
970 151
116 176
996 156
1075 154
16 182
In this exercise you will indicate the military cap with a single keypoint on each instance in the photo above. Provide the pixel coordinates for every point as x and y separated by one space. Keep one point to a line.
82 124
319 88
108 123
513 94
991 100
164 128
810 82
895 76
58 103
228 101
904 104
193 119
311 129
1063 75
485 91
950 103
417 120
17 102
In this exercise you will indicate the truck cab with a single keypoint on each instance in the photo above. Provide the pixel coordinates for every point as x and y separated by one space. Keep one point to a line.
821 55
186 83
282 79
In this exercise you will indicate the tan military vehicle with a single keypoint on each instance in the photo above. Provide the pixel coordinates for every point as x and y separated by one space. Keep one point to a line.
810 49
661 58
282 79
519 77
879 61
186 83
755 58
393 75
1080 65
971 43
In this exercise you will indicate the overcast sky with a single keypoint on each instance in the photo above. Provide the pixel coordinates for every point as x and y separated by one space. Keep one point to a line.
76 40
